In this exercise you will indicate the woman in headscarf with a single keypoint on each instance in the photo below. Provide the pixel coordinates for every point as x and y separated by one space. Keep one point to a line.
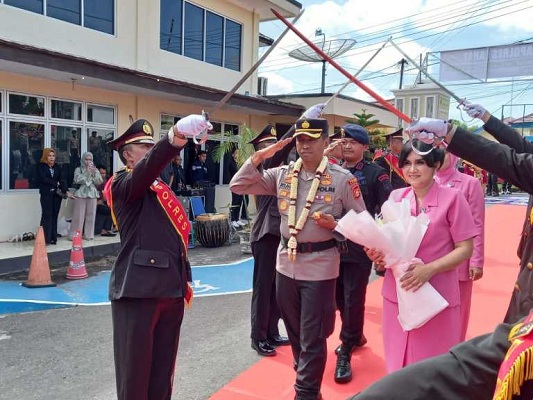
472 269
52 189
88 178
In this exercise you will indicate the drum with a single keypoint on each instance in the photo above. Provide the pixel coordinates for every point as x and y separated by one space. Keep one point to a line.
212 230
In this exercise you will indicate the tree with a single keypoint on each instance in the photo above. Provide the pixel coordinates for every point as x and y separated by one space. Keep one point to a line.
228 143
363 119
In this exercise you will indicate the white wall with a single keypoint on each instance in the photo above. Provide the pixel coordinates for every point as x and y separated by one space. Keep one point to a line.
135 44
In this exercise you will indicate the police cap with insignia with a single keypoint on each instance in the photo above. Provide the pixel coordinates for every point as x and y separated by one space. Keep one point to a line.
356 132
268 133
141 131
311 127
394 135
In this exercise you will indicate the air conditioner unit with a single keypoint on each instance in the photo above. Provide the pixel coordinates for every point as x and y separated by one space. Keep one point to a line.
262 84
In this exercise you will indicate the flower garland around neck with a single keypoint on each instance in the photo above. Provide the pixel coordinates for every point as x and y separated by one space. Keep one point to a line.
296 227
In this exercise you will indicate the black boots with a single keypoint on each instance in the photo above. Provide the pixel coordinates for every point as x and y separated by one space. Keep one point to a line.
343 369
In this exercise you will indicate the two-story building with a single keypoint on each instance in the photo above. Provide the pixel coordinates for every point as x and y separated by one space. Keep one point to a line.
74 73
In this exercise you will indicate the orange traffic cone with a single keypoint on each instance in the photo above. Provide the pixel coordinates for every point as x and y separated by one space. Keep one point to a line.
76 269
39 275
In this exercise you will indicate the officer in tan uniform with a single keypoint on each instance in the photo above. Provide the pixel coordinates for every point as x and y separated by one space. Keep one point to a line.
308 260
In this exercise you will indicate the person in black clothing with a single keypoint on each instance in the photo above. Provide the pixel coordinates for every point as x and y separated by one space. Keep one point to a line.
103 224
238 202
355 266
265 238
199 169
174 175
49 180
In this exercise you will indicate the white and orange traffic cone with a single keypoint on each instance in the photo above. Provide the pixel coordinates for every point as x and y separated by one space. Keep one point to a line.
39 275
76 268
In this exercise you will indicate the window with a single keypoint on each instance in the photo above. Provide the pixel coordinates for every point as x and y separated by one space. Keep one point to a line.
65 110
100 114
65 10
35 6
65 140
99 15
232 59
414 108
95 14
205 36
26 105
193 45
399 104
96 144
26 143
171 24
26 129
213 38
430 107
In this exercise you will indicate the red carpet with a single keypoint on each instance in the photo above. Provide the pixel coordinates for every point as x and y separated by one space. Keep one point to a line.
273 378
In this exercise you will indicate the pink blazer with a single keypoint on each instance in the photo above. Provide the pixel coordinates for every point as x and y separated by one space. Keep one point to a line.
450 222
471 189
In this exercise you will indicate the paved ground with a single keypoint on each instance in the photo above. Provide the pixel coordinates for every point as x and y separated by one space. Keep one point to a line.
65 354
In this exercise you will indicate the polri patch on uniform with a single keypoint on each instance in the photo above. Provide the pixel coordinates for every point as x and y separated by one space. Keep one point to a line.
283 193
283 205
328 198
354 185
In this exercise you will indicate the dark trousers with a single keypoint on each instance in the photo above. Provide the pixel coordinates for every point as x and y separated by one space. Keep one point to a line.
308 311
239 206
103 219
145 337
351 293
492 186
265 312
50 205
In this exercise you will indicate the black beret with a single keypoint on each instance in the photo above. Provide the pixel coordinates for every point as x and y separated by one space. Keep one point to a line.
356 132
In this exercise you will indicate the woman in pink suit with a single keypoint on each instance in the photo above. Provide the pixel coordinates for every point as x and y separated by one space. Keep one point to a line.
446 244
470 270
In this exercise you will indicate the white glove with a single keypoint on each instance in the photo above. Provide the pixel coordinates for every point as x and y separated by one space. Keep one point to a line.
193 125
314 111
474 110
426 129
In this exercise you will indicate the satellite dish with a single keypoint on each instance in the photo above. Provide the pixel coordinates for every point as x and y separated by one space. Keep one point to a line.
333 48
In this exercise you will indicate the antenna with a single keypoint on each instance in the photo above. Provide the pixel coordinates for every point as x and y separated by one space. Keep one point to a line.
332 48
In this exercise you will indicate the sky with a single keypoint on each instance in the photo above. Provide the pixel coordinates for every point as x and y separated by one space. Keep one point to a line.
419 27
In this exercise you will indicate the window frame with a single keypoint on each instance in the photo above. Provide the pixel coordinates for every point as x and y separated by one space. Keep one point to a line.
413 100
82 15
47 121
204 33
433 98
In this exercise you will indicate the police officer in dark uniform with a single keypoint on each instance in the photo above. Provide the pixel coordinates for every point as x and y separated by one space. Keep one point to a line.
355 266
149 281
389 160
488 367
265 238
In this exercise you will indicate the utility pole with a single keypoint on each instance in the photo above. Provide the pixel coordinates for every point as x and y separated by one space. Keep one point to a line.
402 63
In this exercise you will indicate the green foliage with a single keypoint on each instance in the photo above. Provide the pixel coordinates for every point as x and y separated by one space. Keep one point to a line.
363 119
228 143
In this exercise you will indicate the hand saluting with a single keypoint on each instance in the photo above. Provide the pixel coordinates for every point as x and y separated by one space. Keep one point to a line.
261 155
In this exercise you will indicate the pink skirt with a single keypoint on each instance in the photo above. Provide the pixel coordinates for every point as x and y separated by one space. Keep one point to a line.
436 337
465 288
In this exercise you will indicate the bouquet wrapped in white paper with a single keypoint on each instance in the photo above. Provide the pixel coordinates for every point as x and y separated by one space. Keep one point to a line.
398 235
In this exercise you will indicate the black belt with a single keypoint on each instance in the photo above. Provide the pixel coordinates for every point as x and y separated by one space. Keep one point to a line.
310 247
